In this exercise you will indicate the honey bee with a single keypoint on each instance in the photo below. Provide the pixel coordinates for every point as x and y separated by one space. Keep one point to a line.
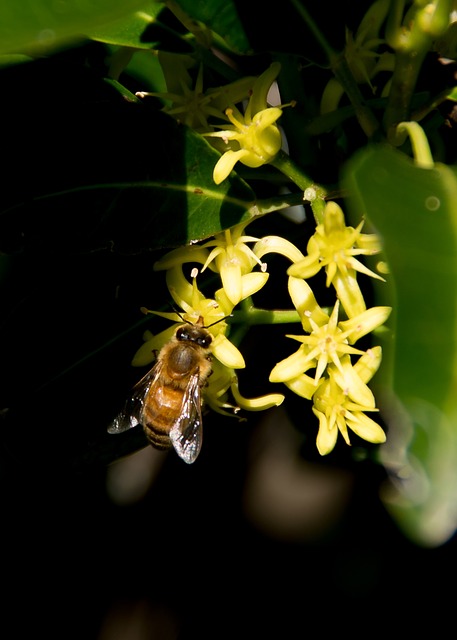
167 401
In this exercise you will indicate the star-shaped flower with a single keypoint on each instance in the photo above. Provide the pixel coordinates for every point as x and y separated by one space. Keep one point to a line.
326 344
254 138
338 412
335 246
233 258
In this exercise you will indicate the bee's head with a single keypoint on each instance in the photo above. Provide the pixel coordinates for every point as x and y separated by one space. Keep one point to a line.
194 333
197 332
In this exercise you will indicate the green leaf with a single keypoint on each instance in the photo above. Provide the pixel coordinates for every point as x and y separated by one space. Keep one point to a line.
415 212
178 205
221 16
141 30
44 25
452 95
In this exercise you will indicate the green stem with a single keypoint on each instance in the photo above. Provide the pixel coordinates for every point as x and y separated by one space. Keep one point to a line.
419 142
407 67
312 192
287 166
412 38
254 316
242 319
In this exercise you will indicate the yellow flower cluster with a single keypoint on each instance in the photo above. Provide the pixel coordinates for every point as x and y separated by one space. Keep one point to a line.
338 387
338 384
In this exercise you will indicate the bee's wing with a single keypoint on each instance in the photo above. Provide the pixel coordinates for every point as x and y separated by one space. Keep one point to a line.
132 412
187 433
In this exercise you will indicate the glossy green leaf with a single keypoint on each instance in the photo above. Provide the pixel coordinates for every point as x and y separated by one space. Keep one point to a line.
178 204
44 25
415 212
141 30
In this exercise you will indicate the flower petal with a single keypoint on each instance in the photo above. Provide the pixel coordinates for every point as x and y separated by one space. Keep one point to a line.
368 364
291 367
369 242
364 323
304 301
352 385
303 386
365 427
231 281
306 268
349 293
226 163
255 404
226 352
252 282
258 99
276 244
176 257
326 437
147 352
179 287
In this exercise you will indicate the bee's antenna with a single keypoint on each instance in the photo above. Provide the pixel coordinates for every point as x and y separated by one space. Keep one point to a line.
178 314
206 326
220 320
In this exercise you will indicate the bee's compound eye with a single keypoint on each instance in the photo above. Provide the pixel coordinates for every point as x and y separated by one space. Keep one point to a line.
182 334
205 341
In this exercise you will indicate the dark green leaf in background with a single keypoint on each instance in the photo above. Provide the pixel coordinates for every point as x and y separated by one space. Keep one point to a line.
221 16
144 181
415 212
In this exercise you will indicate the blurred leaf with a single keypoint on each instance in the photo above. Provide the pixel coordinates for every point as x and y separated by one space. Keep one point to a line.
415 212
44 24
452 94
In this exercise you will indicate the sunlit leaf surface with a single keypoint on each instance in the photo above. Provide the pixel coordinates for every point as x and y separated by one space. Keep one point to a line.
45 25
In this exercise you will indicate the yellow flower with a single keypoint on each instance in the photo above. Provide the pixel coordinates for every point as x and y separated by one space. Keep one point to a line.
230 256
233 259
253 139
215 392
337 412
194 305
180 256
277 244
224 380
259 403
335 246
326 344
